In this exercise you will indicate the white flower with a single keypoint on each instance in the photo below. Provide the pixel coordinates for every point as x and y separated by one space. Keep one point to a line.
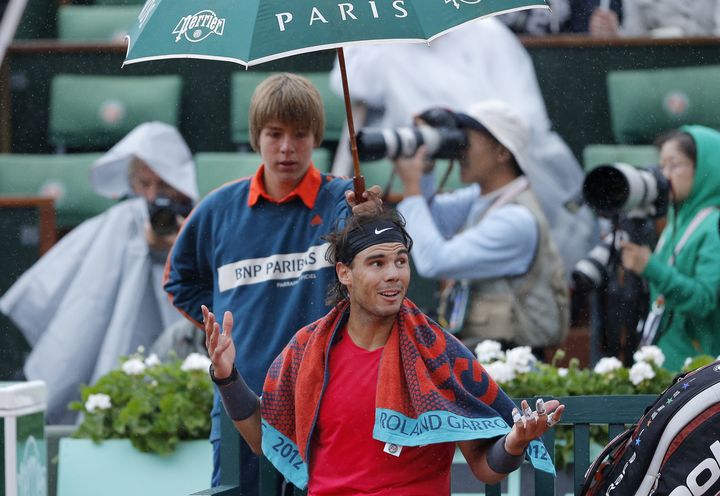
641 371
196 361
97 402
488 351
688 360
606 365
500 371
134 366
521 358
650 354
152 360
562 371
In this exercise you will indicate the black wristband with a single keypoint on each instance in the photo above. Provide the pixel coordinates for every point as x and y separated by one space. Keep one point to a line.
223 382
499 460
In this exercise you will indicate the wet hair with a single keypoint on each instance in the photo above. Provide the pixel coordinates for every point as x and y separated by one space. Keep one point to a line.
289 99
684 140
341 239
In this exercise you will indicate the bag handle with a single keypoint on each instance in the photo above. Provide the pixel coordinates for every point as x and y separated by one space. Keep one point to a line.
594 467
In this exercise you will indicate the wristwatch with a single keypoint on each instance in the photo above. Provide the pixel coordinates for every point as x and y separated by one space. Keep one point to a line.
224 382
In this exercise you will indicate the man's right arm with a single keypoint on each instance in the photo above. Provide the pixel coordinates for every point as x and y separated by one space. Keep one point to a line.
241 404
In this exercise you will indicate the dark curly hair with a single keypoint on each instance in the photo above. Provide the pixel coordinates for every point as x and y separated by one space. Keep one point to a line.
338 239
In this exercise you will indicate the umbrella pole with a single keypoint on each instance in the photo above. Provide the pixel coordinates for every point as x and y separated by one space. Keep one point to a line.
358 179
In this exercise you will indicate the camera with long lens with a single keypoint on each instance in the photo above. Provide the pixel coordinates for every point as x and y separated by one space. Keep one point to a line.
375 143
631 196
440 134
613 189
164 214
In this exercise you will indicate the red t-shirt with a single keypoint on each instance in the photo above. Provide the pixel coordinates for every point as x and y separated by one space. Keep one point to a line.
344 457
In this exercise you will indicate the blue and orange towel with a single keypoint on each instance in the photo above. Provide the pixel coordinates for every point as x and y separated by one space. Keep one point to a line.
431 389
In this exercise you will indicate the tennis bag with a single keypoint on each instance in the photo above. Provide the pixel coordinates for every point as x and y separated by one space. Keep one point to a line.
673 451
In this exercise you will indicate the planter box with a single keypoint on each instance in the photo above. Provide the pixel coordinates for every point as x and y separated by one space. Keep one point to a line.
115 468
23 463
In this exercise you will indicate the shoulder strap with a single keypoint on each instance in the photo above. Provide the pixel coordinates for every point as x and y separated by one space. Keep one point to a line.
699 217
514 189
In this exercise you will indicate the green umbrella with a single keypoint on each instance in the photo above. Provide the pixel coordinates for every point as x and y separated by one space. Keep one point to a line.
251 32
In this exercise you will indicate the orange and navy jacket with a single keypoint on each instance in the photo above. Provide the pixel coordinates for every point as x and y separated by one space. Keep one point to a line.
261 259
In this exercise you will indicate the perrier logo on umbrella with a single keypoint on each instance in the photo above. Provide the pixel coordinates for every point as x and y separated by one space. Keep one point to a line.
197 27
456 4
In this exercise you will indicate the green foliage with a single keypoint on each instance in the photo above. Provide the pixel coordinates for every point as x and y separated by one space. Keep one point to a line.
521 376
153 404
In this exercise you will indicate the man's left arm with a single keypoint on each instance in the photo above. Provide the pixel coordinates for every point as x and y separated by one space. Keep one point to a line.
502 244
491 460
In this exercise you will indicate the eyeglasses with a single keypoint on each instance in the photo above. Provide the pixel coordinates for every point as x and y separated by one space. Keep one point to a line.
674 167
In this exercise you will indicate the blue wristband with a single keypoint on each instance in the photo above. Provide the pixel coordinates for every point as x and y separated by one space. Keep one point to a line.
238 399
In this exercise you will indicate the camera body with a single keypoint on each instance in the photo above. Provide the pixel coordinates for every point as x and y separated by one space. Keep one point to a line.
440 134
164 211
594 271
591 272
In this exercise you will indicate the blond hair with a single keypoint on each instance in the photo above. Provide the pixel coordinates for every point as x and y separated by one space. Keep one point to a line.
289 99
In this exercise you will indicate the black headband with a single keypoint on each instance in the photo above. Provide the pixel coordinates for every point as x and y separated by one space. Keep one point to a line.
374 233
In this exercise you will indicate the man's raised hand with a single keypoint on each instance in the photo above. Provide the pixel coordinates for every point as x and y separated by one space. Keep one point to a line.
220 346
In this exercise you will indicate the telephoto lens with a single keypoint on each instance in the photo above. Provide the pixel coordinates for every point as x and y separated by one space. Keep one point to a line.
612 189
441 142
591 271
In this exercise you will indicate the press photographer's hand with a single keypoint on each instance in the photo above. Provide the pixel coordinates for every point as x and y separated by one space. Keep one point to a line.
410 171
634 257
161 242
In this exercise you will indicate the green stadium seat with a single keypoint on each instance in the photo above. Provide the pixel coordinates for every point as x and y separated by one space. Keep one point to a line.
91 113
334 106
646 103
380 172
217 168
637 155
95 22
63 177
243 84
